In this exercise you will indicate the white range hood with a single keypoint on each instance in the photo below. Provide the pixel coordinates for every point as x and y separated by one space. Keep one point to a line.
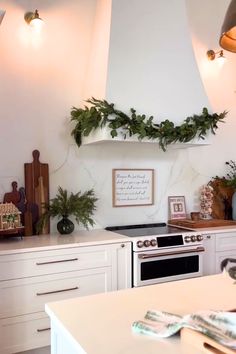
142 57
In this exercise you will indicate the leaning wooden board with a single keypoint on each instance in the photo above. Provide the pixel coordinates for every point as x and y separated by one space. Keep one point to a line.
37 193
202 223
204 343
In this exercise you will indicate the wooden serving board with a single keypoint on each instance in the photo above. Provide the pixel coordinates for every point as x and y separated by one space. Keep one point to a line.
202 223
204 343
37 193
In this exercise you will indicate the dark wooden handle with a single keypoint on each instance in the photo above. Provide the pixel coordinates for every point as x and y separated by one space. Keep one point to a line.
43 329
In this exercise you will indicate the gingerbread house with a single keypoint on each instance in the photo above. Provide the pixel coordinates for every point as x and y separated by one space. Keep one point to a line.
9 216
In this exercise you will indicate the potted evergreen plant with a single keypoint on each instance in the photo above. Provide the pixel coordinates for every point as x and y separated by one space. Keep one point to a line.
81 206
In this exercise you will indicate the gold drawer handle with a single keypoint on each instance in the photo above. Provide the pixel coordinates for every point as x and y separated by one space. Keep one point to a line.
43 329
57 291
61 261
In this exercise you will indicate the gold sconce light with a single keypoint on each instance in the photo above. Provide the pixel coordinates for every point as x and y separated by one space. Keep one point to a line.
33 19
228 31
212 55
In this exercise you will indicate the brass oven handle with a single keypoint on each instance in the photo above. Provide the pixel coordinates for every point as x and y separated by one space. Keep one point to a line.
154 255
61 261
57 291
43 329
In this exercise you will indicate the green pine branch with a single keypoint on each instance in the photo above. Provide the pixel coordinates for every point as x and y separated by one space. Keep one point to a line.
81 206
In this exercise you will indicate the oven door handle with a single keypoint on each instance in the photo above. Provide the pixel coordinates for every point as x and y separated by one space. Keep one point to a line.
170 253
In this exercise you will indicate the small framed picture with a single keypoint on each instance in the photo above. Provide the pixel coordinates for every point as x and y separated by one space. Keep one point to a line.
177 208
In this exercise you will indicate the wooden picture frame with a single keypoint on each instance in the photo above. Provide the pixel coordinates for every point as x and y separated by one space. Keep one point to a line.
132 187
177 207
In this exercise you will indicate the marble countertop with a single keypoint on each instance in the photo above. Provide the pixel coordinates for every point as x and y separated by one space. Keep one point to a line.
55 241
79 239
107 318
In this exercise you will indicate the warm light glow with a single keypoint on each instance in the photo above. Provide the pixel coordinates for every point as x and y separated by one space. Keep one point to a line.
219 56
37 24
221 59
33 19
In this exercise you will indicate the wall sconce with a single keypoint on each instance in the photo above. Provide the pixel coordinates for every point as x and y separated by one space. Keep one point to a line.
33 19
2 13
212 55
228 31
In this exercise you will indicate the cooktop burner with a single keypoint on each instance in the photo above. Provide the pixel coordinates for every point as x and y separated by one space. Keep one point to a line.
146 230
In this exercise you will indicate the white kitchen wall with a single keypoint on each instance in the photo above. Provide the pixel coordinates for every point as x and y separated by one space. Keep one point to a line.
40 80
205 21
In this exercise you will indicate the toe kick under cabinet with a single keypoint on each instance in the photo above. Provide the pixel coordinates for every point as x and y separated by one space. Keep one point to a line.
29 279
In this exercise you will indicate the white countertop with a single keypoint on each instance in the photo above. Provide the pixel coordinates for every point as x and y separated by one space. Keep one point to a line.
11 245
101 324
55 241
216 230
209 230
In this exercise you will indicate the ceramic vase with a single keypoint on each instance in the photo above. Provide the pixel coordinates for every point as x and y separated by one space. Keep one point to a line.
65 226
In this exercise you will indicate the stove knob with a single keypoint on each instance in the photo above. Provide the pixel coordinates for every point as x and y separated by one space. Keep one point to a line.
199 237
153 242
193 238
140 244
147 243
187 239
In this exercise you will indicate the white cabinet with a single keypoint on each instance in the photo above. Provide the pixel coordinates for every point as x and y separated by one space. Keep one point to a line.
30 279
225 248
121 266
218 246
21 333
209 266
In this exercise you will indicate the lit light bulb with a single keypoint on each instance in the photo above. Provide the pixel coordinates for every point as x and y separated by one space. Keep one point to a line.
37 24
221 59
33 19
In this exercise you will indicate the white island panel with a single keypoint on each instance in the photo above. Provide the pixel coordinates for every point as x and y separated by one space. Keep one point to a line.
101 324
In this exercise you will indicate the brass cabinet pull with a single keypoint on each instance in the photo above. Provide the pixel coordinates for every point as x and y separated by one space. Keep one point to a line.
43 329
57 291
61 261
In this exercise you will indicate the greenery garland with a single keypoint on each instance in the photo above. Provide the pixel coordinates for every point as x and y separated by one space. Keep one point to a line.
101 113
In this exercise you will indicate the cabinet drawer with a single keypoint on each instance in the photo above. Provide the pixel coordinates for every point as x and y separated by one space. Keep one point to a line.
24 332
48 262
22 296
226 242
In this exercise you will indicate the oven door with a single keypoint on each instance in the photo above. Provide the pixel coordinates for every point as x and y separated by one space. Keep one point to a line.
152 267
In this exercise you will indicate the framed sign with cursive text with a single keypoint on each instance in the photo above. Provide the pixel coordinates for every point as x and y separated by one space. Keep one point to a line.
132 187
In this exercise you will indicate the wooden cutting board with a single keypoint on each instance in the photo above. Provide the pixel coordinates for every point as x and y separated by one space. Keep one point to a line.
202 223
37 193
204 343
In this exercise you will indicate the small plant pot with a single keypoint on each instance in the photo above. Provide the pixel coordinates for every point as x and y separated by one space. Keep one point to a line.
65 226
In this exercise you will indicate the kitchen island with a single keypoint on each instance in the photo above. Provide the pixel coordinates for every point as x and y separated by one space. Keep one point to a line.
101 324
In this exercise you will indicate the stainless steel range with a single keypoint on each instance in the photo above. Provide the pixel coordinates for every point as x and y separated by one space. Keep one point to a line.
163 253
